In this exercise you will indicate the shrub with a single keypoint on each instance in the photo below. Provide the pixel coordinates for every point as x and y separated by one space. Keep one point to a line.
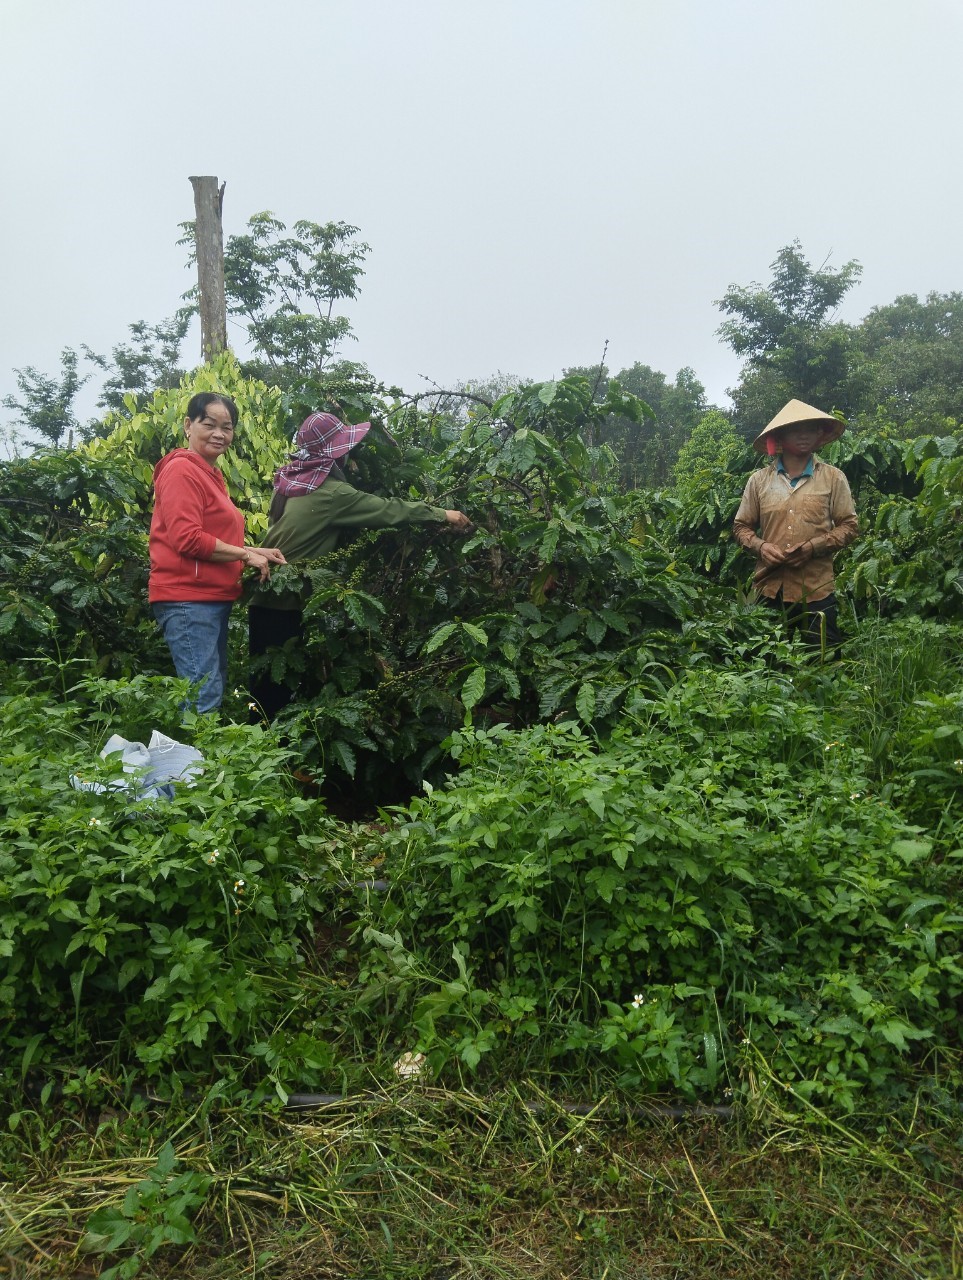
715 872
166 932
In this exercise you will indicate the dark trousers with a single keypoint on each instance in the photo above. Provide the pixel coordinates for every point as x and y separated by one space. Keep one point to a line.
815 620
270 629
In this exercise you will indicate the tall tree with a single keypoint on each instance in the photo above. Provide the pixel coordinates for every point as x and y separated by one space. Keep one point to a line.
651 450
47 405
209 254
788 335
908 359
648 448
286 288
149 362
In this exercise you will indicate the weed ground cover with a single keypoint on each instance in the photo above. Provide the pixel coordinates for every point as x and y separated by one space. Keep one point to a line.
425 1184
774 843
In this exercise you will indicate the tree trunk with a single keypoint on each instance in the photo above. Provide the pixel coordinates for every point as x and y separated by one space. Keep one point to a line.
209 242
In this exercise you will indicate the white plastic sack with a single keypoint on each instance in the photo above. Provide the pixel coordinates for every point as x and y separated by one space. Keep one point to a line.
151 770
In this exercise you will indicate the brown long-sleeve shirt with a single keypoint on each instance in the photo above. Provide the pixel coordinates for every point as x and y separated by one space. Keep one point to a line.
818 510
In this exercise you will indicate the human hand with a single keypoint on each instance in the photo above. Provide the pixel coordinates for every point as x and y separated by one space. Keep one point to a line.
261 558
801 553
771 554
459 521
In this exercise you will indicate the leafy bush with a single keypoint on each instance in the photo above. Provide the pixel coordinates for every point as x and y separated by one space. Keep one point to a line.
715 873
910 558
136 441
73 561
169 930
154 1212
903 706
656 849
545 610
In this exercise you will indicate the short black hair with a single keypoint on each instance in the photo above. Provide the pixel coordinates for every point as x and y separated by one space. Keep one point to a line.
198 405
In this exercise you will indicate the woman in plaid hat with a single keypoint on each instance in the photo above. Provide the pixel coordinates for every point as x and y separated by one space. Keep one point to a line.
313 506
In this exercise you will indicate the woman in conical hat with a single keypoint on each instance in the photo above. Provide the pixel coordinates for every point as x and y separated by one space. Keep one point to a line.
794 515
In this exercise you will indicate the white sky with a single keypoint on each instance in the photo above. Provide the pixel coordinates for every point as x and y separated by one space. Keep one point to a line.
533 176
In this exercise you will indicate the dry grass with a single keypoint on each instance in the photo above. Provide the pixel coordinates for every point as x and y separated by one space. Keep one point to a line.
437 1185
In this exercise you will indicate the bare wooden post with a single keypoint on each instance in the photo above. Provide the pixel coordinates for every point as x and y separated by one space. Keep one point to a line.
209 242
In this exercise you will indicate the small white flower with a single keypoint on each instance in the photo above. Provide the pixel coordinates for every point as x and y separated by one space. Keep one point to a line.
578 1150
410 1065
238 886
252 706
213 856
94 822
638 1001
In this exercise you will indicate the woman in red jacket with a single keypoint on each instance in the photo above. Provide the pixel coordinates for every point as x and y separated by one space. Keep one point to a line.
197 551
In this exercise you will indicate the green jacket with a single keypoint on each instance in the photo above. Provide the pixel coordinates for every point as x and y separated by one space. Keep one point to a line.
310 526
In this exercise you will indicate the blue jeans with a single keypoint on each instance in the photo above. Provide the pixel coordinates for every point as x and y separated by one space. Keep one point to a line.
196 634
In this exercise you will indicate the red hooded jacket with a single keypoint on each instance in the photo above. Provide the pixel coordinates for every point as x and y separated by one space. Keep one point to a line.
191 511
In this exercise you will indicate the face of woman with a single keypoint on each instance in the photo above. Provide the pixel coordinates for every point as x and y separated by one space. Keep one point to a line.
211 434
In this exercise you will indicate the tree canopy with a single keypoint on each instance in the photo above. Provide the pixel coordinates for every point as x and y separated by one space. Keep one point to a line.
786 331
286 289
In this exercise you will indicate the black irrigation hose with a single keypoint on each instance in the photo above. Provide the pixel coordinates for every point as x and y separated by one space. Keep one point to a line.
317 1101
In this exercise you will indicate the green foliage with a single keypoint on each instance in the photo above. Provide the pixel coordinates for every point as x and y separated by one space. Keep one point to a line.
171 930
712 446
286 288
710 474
786 332
47 405
154 1212
647 448
149 362
715 874
658 859
908 358
73 561
544 611
73 524
138 439
903 700
910 556
678 408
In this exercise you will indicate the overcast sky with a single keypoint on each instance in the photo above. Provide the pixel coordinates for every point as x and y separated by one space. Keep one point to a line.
533 176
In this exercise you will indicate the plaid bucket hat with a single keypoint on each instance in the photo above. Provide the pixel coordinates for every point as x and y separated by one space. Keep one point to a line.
321 440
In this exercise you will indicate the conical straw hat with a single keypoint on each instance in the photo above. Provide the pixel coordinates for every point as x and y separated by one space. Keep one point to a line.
796 411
